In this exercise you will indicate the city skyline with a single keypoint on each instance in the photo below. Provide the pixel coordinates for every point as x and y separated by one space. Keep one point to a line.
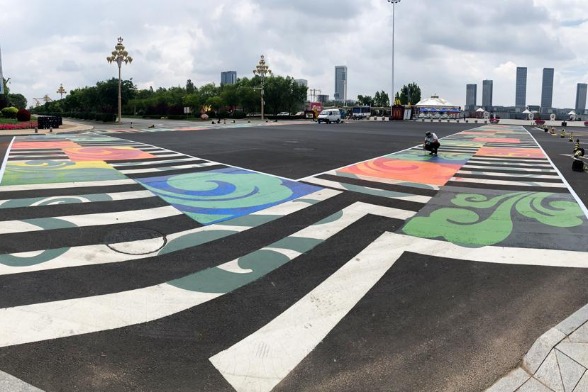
168 48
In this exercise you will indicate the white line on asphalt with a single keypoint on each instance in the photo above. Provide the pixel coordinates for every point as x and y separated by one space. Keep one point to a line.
52 320
98 219
3 167
263 359
514 183
80 184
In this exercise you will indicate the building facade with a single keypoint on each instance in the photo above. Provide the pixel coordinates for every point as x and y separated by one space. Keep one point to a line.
471 94
547 89
340 83
581 91
521 88
487 86
302 82
228 77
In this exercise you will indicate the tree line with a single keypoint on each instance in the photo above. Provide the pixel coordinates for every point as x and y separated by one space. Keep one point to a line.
280 93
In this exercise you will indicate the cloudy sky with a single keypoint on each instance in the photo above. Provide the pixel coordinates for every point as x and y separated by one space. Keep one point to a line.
440 45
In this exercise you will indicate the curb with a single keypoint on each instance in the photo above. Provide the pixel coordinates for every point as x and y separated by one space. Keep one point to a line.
558 360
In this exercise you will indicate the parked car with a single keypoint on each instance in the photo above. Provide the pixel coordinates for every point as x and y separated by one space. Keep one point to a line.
329 116
283 114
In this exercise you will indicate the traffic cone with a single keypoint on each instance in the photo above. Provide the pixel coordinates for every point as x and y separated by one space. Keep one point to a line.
571 136
563 133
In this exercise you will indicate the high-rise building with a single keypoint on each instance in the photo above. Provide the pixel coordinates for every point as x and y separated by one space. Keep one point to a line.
581 91
228 77
547 89
302 82
340 83
487 94
1 77
471 94
521 88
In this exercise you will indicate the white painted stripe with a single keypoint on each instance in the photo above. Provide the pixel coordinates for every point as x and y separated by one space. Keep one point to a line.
498 174
165 168
10 383
101 254
392 181
263 359
547 169
131 195
516 183
514 162
51 320
81 184
385 193
151 162
3 167
98 219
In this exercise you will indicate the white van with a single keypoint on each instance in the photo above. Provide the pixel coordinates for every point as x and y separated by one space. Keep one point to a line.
329 116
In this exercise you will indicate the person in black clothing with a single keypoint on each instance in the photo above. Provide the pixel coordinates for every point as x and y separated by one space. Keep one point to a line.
431 143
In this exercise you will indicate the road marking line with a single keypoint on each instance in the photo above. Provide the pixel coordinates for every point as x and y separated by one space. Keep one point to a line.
263 359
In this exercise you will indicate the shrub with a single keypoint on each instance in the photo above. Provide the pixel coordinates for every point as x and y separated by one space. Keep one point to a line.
9 112
23 115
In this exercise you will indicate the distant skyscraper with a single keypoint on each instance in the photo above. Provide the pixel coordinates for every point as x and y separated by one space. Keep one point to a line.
340 83
521 87
471 94
581 98
487 94
1 77
547 89
322 98
228 77
302 82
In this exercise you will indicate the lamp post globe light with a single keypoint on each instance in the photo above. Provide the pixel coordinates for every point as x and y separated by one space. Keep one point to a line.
262 69
119 56
393 96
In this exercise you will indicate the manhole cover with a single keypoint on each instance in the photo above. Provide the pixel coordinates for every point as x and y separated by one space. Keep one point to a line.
135 241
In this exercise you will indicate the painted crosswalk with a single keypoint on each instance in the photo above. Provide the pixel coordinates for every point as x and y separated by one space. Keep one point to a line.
161 238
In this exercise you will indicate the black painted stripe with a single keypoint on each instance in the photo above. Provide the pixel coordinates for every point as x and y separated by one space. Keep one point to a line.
514 178
65 191
380 185
87 235
513 188
173 338
154 270
176 172
158 164
96 207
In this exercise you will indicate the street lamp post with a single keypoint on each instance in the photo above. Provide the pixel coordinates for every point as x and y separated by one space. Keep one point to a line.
262 69
393 96
119 56
61 91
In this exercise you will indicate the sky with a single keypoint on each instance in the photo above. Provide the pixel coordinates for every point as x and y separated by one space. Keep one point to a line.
439 45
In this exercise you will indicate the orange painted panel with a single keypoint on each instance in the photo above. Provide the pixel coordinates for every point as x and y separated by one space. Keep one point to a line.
411 171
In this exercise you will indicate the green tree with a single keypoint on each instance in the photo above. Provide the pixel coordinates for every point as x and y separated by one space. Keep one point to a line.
381 99
365 100
190 88
410 94
17 100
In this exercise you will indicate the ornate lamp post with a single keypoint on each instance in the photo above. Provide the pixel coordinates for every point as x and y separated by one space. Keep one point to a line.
61 90
393 96
119 56
262 69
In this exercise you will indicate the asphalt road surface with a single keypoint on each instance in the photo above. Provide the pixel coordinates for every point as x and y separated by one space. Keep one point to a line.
285 256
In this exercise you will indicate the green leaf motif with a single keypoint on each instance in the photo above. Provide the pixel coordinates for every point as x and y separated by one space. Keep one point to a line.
465 227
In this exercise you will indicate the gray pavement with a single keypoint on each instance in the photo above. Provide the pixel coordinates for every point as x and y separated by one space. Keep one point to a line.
557 361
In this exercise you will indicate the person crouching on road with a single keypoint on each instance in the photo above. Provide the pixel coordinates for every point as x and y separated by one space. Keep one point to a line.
431 143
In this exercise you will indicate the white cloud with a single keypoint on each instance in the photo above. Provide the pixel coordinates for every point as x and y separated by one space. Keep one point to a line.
440 45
